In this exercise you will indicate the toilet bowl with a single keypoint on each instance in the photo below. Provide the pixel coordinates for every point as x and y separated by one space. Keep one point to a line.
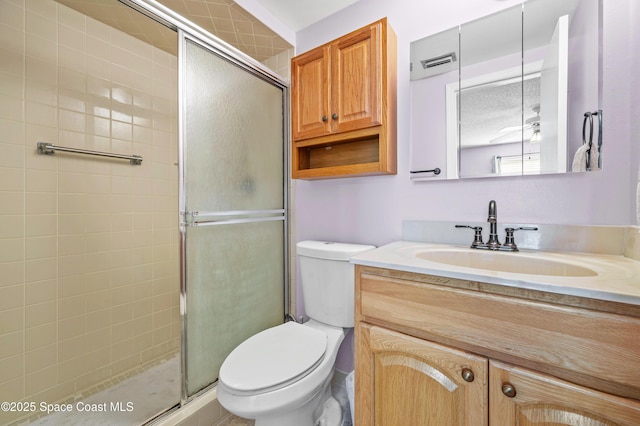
282 375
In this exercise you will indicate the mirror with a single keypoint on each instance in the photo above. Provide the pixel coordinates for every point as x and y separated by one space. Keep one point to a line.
513 93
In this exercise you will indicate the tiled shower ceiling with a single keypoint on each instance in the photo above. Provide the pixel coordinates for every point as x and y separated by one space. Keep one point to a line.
233 24
222 18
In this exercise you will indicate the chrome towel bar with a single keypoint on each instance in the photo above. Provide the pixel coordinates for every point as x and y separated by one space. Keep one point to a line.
435 171
45 148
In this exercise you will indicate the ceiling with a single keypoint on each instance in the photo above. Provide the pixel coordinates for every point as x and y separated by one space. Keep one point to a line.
222 18
299 14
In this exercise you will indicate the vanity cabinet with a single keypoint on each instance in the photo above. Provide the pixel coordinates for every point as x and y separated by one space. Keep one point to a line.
544 400
411 381
343 111
437 351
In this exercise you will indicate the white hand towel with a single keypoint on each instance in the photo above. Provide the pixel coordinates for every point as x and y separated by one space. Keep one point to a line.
593 160
580 159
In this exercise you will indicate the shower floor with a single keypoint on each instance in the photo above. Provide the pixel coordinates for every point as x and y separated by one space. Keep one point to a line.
149 393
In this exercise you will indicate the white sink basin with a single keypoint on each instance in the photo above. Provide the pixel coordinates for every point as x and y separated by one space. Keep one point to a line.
596 276
517 263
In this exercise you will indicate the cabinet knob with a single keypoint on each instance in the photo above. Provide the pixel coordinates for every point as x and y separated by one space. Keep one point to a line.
509 390
468 375
334 116
324 118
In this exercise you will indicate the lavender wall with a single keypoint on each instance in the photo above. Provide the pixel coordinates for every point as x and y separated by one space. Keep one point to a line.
583 69
634 150
371 209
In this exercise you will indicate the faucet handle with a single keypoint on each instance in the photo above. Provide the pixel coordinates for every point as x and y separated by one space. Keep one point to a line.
509 240
477 237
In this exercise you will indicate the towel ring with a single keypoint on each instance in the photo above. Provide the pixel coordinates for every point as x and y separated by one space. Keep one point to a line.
584 136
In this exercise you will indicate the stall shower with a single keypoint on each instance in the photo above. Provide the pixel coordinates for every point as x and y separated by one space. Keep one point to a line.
116 272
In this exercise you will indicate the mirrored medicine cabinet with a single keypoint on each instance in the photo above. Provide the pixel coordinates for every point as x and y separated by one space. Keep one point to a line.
513 93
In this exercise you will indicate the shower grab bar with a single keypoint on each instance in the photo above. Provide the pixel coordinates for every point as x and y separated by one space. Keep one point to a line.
200 218
231 221
237 213
45 148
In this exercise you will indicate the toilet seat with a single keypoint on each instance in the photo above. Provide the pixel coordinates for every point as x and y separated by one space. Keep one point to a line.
273 358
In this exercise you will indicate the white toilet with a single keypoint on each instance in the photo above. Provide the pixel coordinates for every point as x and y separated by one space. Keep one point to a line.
282 376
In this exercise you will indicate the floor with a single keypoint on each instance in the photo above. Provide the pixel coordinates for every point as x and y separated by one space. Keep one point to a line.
232 420
141 397
150 392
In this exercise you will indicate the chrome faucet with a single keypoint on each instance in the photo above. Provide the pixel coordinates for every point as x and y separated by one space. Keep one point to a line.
494 243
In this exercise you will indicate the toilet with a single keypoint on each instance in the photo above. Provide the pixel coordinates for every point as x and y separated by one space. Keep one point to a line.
282 375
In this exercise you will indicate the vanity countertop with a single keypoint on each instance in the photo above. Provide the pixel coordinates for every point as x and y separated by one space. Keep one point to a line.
616 278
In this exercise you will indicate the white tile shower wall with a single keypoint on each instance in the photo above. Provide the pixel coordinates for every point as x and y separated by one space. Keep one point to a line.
88 246
281 63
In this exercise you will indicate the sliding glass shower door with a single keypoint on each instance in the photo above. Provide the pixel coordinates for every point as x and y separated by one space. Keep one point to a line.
233 207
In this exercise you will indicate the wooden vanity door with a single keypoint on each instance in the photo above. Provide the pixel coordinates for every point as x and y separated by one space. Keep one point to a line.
401 380
525 398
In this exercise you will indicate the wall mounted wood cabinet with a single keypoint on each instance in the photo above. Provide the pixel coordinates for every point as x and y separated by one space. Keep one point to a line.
439 351
343 111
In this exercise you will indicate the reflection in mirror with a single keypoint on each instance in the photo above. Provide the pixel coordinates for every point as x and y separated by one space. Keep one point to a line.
491 125
428 101
567 36
516 101
489 97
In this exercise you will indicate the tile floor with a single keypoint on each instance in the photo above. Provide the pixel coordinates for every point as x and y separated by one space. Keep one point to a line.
232 420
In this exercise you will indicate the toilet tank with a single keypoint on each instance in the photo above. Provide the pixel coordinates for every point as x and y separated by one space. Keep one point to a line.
328 280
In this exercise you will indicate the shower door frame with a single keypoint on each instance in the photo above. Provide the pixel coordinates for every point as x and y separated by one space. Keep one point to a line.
188 218
188 30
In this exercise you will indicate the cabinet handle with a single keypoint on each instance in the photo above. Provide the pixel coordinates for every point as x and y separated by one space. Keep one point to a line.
324 118
509 390
334 116
468 375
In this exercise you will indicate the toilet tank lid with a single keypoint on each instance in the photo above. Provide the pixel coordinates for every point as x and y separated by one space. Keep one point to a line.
330 250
